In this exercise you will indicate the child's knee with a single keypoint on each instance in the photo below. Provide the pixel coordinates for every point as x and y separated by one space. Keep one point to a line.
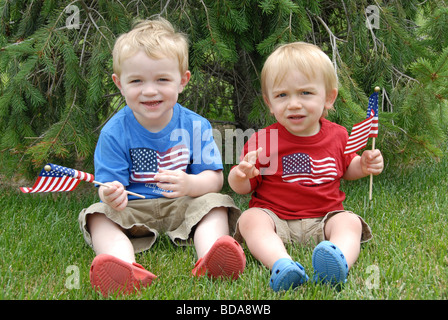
346 220
254 219
352 220
246 219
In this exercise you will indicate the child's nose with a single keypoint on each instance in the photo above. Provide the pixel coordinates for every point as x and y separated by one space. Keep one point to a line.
294 103
149 90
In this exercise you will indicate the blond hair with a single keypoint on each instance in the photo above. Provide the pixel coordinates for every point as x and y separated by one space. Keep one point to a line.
306 57
157 38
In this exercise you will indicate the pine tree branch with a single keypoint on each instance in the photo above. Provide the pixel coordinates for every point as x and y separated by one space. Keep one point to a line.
208 21
81 57
401 74
349 25
333 43
118 104
165 7
88 12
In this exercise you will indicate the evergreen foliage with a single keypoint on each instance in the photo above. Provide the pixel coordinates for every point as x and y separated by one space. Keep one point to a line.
56 90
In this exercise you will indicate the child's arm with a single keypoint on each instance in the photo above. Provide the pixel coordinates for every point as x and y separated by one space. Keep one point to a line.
370 162
194 185
239 176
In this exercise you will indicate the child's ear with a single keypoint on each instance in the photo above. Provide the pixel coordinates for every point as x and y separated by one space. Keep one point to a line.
117 81
331 98
184 80
268 103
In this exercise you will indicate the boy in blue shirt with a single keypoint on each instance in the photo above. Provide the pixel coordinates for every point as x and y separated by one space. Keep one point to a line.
159 149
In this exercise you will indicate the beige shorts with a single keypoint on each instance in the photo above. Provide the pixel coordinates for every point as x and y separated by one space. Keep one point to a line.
144 220
306 231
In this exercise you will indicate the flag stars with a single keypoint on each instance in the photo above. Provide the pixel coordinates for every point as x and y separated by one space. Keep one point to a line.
144 159
296 163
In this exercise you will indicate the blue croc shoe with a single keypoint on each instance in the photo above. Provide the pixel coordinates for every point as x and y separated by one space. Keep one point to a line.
329 264
287 274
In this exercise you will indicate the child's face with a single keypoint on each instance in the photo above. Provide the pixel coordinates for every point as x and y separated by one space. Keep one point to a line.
298 102
151 88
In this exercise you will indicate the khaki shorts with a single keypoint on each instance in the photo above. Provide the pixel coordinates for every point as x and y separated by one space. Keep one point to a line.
144 220
306 231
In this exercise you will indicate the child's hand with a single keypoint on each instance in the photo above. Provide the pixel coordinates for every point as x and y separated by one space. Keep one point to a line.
176 182
372 162
114 195
246 169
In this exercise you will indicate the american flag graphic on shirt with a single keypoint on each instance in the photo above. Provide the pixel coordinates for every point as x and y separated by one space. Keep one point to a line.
147 162
301 168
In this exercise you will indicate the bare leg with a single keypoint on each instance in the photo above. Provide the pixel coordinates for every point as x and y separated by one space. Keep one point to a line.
108 238
212 226
258 230
344 230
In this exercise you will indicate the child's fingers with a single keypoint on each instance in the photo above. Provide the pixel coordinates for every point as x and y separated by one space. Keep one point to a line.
253 155
165 178
257 152
163 175
170 194
256 172
120 202
374 171
373 154
374 162
244 168
109 189
115 195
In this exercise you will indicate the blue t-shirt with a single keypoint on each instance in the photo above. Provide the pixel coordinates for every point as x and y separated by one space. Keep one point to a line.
128 153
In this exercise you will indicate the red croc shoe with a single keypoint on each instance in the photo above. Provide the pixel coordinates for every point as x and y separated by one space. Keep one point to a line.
109 274
225 259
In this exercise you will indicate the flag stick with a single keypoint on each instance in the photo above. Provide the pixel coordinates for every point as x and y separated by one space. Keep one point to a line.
128 192
371 175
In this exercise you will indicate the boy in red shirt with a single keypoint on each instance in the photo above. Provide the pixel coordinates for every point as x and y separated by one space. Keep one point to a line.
293 169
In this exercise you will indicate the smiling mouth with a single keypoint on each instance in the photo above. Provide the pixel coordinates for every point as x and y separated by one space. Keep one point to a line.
296 117
151 104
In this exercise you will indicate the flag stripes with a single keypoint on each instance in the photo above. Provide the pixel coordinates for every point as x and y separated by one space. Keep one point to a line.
361 132
57 179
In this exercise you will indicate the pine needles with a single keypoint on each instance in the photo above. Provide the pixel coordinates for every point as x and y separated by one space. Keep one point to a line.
56 91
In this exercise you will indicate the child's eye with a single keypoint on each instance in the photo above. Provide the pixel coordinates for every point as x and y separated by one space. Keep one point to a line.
163 79
135 81
281 95
305 93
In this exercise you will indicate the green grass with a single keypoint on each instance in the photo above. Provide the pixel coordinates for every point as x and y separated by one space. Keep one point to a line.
41 245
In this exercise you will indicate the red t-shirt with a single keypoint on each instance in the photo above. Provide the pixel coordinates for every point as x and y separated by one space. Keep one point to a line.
300 176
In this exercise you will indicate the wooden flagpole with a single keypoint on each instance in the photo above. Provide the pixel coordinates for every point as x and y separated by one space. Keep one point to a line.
371 175
377 89
128 192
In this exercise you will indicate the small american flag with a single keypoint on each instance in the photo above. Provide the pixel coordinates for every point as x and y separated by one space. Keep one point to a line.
147 162
301 168
366 129
58 179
